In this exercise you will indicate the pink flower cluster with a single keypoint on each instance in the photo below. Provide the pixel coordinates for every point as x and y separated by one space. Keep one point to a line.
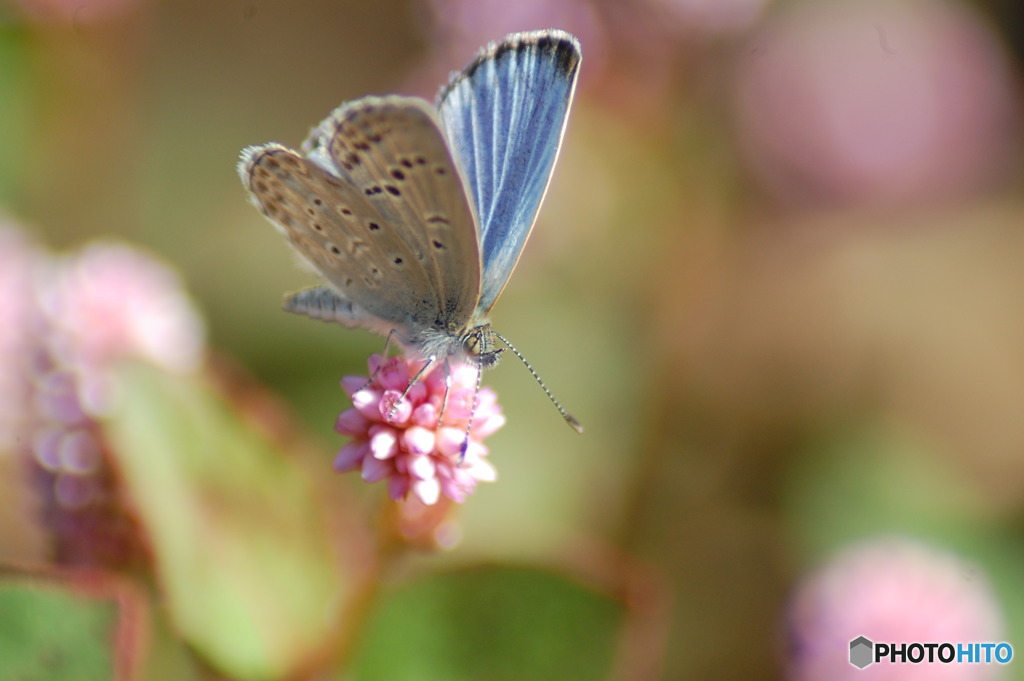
875 104
400 438
67 321
110 301
894 589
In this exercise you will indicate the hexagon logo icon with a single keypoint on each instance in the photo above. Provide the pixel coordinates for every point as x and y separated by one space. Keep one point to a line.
860 652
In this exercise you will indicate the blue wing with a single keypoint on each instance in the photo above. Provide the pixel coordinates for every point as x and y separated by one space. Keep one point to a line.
504 117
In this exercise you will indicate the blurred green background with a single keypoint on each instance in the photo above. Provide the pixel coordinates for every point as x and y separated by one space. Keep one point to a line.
778 274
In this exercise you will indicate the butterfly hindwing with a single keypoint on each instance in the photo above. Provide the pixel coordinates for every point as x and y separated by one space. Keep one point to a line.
504 117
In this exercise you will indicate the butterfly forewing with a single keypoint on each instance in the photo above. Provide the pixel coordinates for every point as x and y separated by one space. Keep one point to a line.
343 235
393 150
504 117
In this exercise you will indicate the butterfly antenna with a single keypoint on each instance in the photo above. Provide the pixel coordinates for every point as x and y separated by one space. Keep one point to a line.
472 413
573 423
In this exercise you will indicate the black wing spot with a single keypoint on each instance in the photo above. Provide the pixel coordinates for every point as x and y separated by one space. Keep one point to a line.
440 171
391 189
318 202
398 174
373 226
317 227
438 245
335 250
398 261
420 161
345 211
406 163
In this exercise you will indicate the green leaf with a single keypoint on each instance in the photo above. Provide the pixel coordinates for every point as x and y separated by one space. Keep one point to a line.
239 540
490 623
48 632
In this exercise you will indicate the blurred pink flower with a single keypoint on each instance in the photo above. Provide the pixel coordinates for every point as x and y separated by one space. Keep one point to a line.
464 26
710 16
411 449
460 27
111 301
64 322
878 103
892 590
635 52
76 12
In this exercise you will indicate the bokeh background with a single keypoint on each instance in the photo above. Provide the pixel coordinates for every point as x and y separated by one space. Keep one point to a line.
779 277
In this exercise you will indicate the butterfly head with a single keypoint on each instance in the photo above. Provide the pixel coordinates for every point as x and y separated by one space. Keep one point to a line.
474 344
478 345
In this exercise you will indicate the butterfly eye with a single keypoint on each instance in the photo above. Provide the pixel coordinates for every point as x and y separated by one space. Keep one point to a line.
479 347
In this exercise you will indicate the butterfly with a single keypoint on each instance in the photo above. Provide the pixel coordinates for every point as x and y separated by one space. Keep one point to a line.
416 214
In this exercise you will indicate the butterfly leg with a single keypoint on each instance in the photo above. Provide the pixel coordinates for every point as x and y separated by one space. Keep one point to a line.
384 358
387 342
413 381
447 389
